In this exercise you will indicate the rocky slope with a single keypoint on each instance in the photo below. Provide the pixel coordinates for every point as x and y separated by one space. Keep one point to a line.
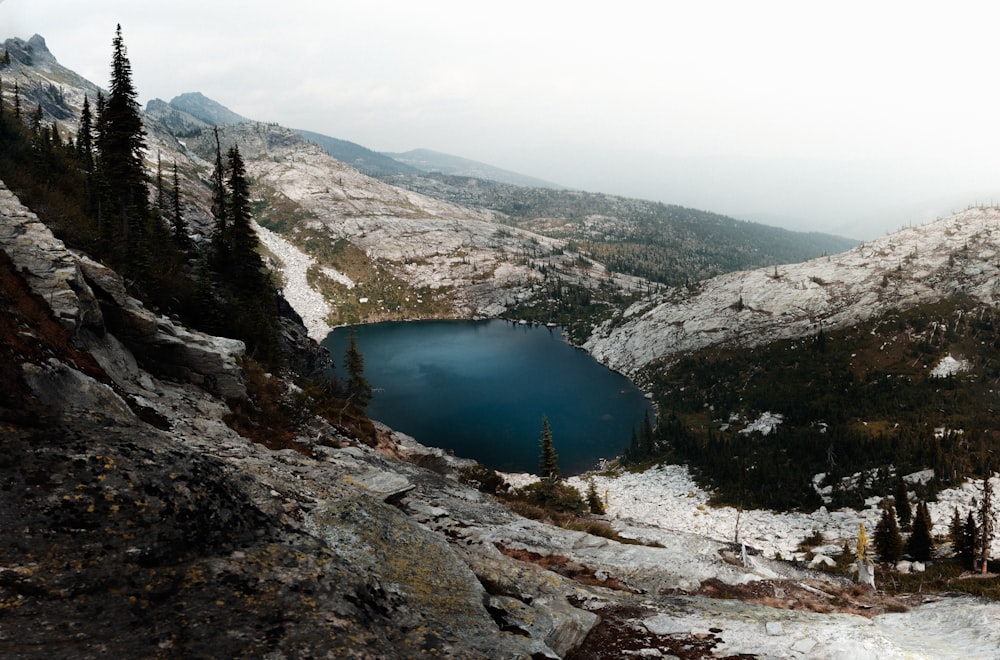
136 522
912 266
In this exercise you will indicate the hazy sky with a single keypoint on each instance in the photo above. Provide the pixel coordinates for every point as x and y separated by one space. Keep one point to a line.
851 117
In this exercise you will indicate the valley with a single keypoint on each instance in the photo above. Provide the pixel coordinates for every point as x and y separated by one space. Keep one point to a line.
179 479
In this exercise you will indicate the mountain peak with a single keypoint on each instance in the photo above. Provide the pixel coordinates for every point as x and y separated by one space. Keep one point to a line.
211 112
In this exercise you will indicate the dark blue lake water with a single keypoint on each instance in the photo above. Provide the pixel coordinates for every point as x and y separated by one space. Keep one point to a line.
481 388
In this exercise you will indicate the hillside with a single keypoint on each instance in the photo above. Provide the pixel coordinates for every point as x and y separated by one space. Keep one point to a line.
663 243
170 490
429 161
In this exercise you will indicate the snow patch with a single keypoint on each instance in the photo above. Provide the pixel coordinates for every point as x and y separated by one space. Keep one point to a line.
764 424
949 366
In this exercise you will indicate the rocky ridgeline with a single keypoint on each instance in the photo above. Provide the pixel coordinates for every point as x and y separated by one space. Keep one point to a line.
136 522
957 254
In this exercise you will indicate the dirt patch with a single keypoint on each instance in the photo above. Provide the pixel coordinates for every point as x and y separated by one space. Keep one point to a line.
620 631
566 567
810 595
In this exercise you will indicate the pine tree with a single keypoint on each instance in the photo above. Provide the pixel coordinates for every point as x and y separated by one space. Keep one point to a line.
646 438
242 242
85 138
593 499
984 531
122 143
921 541
219 206
17 101
970 541
956 533
902 502
160 206
548 463
178 225
359 391
888 541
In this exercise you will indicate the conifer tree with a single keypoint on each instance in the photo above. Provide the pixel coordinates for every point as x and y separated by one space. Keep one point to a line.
161 194
17 101
903 512
888 541
122 142
970 541
85 138
241 239
646 438
956 533
548 462
359 391
921 542
178 225
219 212
593 499
984 532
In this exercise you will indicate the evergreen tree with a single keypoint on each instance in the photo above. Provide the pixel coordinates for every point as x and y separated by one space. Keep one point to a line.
984 532
17 101
178 225
359 391
593 499
646 439
85 138
219 210
921 541
241 239
548 463
902 497
122 142
955 532
633 452
970 541
160 205
888 541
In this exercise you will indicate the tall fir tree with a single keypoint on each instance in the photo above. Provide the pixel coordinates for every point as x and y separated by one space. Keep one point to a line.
984 530
548 461
359 391
178 224
921 541
219 206
902 502
646 438
888 541
970 541
122 143
241 239
85 138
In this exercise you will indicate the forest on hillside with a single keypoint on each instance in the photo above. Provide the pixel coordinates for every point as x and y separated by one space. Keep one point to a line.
860 406
664 243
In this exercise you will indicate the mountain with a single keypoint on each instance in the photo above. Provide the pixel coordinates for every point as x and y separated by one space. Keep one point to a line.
664 243
211 112
163 494
360 158
426 160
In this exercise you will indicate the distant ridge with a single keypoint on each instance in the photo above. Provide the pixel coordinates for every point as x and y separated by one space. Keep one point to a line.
360 158
427 160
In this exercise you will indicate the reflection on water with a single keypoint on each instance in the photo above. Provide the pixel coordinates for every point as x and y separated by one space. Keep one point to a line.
480 388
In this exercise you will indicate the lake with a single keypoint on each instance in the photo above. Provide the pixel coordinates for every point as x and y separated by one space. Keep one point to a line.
481 389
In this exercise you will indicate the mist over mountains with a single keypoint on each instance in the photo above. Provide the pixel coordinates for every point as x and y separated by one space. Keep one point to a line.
168 492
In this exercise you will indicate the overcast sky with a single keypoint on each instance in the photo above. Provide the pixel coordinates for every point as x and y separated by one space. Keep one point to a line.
849 117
